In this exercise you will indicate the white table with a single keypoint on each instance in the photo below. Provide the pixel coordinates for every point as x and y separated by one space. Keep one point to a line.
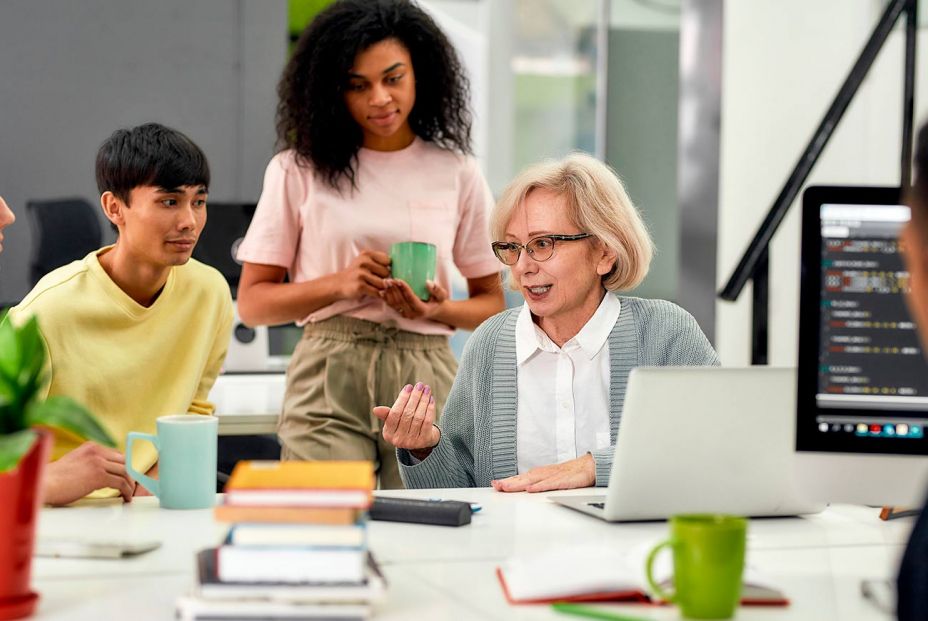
449 573
248 404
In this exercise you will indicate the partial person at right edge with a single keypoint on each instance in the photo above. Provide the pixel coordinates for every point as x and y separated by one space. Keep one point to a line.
912 583
537 401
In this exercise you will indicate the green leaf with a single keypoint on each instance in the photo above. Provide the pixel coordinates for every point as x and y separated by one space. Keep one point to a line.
13 448
9 350
23 377
65 413
7 393
31 351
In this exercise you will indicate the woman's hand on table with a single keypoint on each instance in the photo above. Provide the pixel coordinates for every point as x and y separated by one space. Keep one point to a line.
579 472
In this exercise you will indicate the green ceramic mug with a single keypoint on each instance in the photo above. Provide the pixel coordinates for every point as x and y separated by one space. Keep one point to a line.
186 445
414 263
708 561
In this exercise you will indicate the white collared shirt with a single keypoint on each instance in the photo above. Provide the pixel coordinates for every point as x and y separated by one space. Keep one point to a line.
563 396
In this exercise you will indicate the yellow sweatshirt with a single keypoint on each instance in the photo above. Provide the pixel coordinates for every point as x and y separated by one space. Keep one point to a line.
126 363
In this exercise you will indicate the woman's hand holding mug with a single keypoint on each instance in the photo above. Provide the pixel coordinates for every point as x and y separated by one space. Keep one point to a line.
400 296
364 276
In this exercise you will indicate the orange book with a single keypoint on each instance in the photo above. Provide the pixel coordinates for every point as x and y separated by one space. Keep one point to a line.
302 475
312 515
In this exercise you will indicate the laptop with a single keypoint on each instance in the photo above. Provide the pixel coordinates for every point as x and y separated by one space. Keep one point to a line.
703 440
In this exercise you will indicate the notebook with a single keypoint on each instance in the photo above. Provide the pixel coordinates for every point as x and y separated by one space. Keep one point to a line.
703 440
588 574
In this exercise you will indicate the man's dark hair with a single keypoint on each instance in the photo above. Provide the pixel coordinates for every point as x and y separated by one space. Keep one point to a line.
150 154
312 117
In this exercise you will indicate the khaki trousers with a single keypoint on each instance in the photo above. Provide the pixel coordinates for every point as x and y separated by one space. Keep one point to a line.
341 369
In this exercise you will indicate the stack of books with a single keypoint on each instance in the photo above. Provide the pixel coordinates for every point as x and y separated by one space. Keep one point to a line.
296 546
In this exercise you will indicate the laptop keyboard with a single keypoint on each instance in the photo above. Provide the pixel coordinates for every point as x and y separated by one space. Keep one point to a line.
598 505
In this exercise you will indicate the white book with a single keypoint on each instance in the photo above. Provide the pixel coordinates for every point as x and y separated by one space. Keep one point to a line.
209 586
290 564
299 498
263 534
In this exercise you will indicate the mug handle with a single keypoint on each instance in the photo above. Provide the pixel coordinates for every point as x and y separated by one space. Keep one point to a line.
147 482
670 597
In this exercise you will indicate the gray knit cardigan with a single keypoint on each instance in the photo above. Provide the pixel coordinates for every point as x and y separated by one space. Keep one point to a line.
478 425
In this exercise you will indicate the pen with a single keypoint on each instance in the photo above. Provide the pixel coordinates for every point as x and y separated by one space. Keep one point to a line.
592 613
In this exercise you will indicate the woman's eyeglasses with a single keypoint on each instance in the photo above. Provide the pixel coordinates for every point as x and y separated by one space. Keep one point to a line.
540 248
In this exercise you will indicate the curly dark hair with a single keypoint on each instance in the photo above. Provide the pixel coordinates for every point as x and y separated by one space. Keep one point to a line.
312 117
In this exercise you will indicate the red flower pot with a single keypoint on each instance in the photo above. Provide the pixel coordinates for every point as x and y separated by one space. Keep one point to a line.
20 501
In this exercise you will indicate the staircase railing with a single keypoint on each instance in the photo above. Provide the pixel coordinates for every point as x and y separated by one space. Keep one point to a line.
754 263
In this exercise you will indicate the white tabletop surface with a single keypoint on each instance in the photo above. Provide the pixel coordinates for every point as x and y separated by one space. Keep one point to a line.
438 572
248 403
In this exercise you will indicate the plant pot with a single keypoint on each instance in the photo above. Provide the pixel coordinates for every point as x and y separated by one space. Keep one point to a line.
20 502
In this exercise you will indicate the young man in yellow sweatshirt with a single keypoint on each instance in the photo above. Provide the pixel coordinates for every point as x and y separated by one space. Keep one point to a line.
138 329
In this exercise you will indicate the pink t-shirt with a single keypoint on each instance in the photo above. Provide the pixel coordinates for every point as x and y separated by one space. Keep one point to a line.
420 193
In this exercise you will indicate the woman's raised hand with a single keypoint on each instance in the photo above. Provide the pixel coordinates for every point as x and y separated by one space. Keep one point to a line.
410 423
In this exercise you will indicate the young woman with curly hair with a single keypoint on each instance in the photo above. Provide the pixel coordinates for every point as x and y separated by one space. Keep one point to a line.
374 131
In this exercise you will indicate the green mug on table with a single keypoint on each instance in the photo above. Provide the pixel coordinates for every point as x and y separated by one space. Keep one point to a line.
186 445
708 563
414 263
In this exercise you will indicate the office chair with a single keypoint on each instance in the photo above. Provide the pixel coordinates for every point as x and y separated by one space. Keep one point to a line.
64 230
227 225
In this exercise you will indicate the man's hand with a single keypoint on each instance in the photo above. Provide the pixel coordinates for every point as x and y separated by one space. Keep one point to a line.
364 276
409 424
400 296
87 468
141 490
580 472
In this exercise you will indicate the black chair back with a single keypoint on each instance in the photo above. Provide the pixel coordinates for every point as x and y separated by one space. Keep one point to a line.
225 227
65 230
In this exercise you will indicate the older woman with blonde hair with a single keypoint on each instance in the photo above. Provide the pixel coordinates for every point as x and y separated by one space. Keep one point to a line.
538 396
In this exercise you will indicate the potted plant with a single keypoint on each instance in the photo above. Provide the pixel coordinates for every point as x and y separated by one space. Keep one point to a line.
24 449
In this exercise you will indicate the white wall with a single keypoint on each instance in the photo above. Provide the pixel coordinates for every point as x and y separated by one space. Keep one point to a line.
481 30
73 72
783 62
465 23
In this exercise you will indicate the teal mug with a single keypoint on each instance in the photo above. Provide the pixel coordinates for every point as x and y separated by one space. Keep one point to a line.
414 263
186 445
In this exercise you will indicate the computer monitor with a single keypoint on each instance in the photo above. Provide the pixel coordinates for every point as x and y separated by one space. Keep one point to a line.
862 398
225 228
